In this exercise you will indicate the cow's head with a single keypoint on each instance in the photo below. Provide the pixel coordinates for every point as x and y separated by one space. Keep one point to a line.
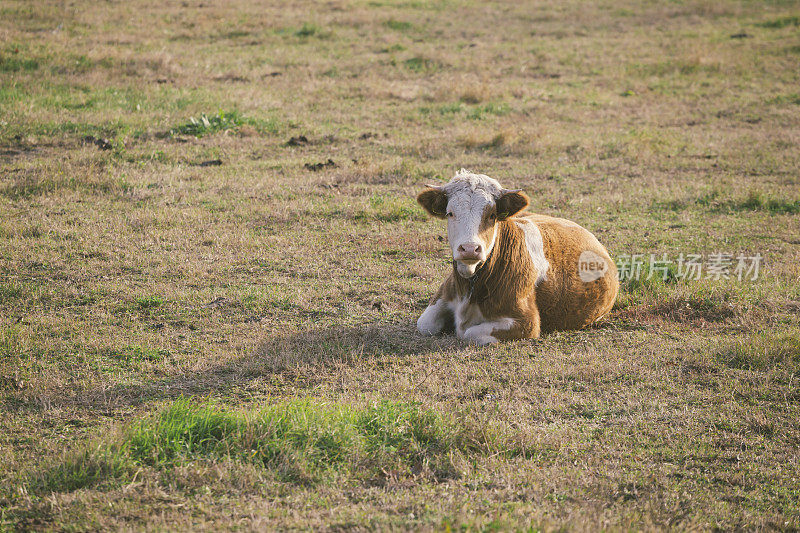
472 205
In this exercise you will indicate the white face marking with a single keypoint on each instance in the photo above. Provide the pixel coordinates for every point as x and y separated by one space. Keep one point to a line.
468 197
465 212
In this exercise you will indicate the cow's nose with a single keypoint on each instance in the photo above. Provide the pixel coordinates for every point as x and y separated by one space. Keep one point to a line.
470 251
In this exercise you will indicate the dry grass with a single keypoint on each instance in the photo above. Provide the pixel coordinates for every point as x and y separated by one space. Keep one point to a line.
161 237
488 140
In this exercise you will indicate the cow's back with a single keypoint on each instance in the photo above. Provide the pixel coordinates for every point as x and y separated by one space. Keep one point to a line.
569 298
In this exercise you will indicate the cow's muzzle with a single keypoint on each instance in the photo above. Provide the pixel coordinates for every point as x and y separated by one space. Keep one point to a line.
469 252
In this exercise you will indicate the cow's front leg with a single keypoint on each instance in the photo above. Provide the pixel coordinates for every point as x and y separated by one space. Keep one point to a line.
489 332
503 329
436 318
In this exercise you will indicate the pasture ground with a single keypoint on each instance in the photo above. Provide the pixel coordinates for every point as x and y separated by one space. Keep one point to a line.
206 325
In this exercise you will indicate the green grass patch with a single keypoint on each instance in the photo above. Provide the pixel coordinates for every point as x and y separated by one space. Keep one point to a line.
17 64
491 108
782 99
311 30
476 112
673 68
301 441
764 351
444 109
451 108
754 201
115 130
30 185
398 25
81 129
206 125
307 30
10 344
222 121
234 34
394 48
390 209
20 357
422 65
11 291
75 64
136 354
149 302
779 23
89 467
80 97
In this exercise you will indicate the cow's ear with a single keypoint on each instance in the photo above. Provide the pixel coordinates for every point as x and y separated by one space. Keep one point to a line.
434 200
510 203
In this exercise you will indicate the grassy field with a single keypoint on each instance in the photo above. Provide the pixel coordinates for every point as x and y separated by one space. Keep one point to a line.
211 262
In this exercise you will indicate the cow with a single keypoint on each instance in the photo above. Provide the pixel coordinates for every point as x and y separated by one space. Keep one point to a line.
515 274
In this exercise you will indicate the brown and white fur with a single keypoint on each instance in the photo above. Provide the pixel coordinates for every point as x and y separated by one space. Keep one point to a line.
515 274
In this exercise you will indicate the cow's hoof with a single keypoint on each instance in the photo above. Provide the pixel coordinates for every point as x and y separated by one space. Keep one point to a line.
484 341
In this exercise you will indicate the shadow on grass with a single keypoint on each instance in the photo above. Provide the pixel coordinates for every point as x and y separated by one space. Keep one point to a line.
337 346
691 310
291 361
301 358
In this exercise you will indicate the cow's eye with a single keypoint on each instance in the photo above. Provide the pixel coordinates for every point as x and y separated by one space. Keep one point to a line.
450 213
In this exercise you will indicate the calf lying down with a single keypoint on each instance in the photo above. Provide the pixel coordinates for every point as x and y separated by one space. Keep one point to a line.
515 274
